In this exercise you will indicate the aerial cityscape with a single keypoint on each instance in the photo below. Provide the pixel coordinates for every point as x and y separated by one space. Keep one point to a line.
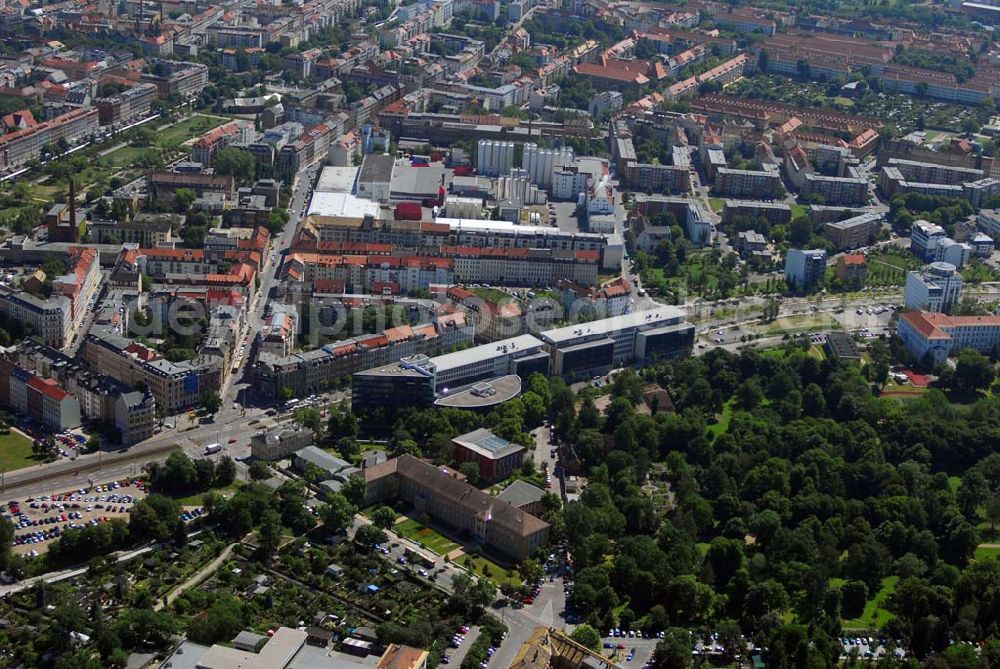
502 334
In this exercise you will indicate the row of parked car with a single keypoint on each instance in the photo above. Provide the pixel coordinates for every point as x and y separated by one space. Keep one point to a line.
40 536
193 514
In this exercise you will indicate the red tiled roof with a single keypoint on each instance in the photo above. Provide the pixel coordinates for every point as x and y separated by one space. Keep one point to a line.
48 387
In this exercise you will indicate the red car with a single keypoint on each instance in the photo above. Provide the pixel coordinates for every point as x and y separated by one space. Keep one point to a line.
232 440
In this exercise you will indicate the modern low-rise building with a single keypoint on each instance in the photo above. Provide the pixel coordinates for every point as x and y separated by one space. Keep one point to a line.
473 378
805 268
937 287
594 348
924 239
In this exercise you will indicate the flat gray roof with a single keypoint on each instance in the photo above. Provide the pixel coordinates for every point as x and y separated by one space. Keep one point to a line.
484 442
377 168
520 493
475 354
661 315
501 389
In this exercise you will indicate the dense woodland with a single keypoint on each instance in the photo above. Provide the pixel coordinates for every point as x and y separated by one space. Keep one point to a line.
811 497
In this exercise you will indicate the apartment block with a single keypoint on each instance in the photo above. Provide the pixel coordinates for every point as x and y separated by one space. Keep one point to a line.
135 416
763 183
854 232
179 78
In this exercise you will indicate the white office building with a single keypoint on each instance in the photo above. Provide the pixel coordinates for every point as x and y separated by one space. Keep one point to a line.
495 159
937 287
805 268
950 251
924 239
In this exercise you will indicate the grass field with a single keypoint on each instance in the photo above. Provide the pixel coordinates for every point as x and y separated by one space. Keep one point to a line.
189 128
986 551
15 452
722 424
800 210
801 323
198 499
875 615
489 294
486 568
717 204
427 537
122 157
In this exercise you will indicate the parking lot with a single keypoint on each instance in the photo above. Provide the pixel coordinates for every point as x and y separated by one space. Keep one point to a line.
629 651
871 648
38 521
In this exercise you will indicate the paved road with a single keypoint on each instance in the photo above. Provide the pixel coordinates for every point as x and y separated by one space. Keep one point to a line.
456 655
196 578
57 576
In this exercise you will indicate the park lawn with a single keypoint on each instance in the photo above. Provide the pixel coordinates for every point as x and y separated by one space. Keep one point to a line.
122 157
817 352
986 551
198 499
902 392
486 568
722 423
15 452
800 210
717 203
874 615
802 323
189 128
427 537
489 294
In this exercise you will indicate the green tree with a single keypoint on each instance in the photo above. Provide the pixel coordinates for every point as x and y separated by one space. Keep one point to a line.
337 513
259 471
211 402
587 636
225 472
973 371
236 163
183 199
153 518
384 517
